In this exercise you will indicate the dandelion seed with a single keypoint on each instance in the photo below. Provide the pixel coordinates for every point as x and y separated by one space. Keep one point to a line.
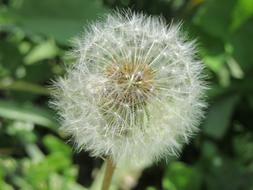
135 93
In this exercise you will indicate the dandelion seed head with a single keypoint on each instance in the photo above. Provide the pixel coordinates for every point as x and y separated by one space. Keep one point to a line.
135 92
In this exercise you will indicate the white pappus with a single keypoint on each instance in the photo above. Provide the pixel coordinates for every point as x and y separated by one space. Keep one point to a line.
135 93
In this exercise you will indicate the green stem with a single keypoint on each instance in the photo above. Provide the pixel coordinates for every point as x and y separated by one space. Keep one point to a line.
110 167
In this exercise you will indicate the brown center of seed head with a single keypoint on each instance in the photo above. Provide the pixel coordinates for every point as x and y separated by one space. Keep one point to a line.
131 84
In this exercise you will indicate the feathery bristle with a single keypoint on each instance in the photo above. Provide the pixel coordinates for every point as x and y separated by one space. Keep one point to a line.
136 91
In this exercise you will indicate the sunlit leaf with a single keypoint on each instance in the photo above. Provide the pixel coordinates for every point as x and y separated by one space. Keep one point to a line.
23 86
44 50
56 145
30 113
242 11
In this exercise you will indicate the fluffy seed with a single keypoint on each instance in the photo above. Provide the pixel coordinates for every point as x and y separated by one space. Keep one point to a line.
135 91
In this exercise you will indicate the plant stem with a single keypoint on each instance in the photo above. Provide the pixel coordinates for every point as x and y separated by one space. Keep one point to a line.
110 167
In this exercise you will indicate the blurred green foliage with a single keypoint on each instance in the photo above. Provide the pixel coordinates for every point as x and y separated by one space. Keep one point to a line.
35 37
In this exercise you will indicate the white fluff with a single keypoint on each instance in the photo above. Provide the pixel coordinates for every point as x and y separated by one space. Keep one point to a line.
94 109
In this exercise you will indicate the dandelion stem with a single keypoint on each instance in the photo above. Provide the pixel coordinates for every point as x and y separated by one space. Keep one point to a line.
110 167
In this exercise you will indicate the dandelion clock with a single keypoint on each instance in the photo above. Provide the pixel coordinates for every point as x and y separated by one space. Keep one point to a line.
135 93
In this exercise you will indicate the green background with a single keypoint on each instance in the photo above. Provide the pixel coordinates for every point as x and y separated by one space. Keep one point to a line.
35 37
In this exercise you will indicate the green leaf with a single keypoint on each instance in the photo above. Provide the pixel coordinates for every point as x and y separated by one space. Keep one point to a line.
56 145
243 11
243 148
250 100
235 68
58 182
215 63
228 175
5 186
29 113
23 86
242 44
36 172
22 131
6 18
209 150
34 72
218 117
214 17
151 188
44 50
22 183
168 185
60 19
34 152
10 58
179 176
7 167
